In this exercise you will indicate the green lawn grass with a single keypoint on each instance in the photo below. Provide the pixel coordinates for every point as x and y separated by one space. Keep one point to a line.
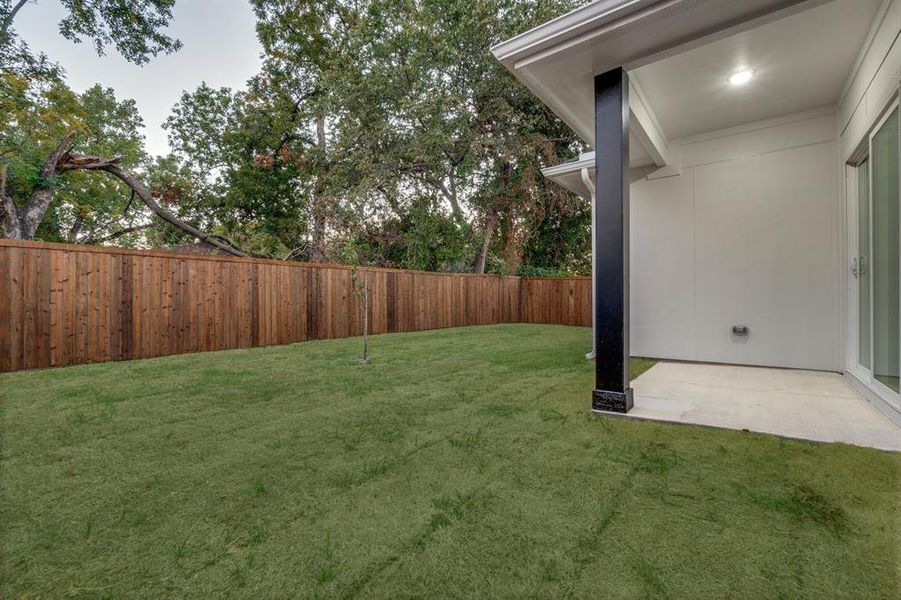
458 463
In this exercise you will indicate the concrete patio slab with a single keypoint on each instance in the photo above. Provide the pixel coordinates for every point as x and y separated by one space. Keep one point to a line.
810 405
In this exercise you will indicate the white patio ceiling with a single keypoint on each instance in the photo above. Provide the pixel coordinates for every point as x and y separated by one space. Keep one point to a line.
679 54
801 61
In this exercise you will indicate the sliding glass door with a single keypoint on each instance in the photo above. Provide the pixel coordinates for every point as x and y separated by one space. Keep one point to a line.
877 266
884 161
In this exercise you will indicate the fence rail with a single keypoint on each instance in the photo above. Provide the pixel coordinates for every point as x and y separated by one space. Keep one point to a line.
64 304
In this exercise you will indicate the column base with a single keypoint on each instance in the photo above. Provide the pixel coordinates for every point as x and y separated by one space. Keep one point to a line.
620 402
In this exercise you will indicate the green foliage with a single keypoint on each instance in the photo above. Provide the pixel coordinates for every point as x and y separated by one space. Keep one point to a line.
560 242
422 239
38 110
426 144
109 127
385 123
252 161
133 27
35 114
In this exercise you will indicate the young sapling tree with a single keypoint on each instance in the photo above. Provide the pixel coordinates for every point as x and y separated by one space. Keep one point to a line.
362 287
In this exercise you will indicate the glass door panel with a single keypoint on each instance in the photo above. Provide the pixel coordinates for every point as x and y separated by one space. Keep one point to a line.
885 157
862 263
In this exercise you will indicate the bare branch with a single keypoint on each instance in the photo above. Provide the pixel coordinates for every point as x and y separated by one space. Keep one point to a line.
116 235
144 194
51 165
4 28
72 162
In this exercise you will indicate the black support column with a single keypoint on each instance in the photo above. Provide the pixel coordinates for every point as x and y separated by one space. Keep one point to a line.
611 231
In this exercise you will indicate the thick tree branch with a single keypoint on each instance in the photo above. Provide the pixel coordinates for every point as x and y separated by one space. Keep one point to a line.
52 164
450 194
8 20
93 163
62 160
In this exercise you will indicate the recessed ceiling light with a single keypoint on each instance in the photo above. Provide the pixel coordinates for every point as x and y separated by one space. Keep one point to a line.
741 77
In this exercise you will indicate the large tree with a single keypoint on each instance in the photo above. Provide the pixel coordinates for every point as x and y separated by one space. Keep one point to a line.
51 138
255 160
419 109
133 27
381 125
40 122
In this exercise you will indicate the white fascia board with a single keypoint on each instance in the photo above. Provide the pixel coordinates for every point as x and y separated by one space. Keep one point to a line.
603 19
564 27
571 175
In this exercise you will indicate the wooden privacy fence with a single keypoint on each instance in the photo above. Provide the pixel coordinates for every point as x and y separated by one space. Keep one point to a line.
63 304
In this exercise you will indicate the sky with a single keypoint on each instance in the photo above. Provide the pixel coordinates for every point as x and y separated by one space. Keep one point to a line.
219 47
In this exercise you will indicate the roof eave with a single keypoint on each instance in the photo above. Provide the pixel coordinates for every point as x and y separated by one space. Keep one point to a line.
565 27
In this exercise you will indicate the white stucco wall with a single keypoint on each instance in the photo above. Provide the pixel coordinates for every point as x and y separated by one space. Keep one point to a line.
747 234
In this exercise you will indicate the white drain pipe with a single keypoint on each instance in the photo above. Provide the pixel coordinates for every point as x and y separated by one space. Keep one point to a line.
586 179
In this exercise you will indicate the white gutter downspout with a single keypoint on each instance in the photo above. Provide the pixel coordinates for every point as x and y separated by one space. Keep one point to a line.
586 179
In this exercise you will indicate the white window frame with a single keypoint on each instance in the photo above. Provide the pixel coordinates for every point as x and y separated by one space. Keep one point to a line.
853 366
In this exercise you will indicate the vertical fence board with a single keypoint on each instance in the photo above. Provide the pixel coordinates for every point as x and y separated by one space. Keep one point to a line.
5 312
64 304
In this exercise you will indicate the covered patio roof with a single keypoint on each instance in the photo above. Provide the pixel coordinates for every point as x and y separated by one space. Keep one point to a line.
679 55
659 88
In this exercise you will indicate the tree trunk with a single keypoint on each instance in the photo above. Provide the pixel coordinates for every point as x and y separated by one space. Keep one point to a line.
31 215
482 256
10 225
493 216
72 236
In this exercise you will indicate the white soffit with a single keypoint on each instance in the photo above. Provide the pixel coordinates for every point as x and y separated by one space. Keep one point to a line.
799 62
558 60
